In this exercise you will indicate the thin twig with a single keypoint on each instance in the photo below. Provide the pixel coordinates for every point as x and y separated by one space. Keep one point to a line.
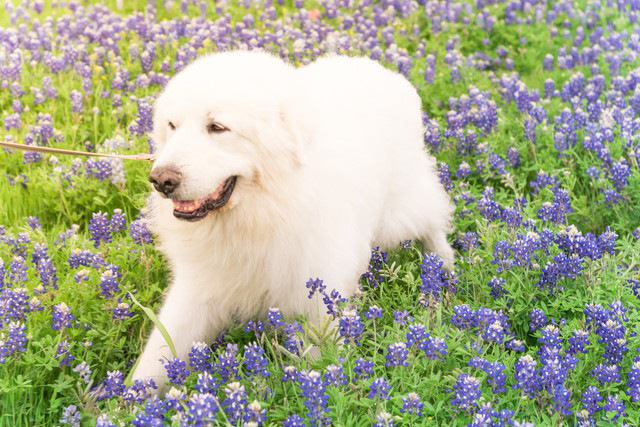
141 156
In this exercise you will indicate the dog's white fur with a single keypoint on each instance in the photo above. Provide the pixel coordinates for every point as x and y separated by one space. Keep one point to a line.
331 161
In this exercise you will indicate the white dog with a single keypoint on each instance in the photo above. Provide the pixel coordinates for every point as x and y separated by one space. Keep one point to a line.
269 175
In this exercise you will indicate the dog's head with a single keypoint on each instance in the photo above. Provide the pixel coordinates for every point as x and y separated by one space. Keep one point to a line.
221 132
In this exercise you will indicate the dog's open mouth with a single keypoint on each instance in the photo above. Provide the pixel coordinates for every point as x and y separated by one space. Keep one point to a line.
193 210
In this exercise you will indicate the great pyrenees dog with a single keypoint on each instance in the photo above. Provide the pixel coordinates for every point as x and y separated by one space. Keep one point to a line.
268 175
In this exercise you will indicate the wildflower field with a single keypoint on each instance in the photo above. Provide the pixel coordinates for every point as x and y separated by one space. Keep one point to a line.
532 109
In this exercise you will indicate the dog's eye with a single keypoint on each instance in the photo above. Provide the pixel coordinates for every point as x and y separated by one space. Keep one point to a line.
172 126
214 127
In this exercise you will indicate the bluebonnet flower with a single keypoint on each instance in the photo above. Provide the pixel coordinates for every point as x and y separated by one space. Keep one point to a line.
615 407
315 398
315 286
153 414
109 281
235 402
200 357
122 311
118 222
113 384
562 267
70 416
511 217
294 421
557 211
85 259
497 287
227 364
139 232
412 405
331 301
177 371
364 369
464 170
374 274
513 155
466 392
591 399
140 391
351 327
494 370
561 400
468 241
63 354
48 273
527 377
606 374
633 381
292 341
397 355
13 340
334 376
401 317
206 383
13 305
445 176
62 316
255 361
202 409
379 389
417 334
609 326
374 312
434 277
464 317
289 374
255 415
17 271
488 207
84 371
274 317
103 421
99 228
578 342
537 319
384 419
434 348
515 345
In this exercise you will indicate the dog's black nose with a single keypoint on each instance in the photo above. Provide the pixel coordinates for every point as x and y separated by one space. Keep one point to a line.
165 179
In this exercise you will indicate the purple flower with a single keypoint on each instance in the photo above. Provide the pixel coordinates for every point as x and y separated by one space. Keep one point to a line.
606 374
412 405
364 369
334 376
591 399
255 362
350 326
62 316
379 389
139 232
537 319
526 376
13 340
118 222
200 357
434 277
177 371
374 312
109 281
227 364
466 392
397 355
99 228
202 409
495 371
70 416
207 383
315 398
615 407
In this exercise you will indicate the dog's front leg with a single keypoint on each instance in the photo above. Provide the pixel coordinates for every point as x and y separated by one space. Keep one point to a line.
185 317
